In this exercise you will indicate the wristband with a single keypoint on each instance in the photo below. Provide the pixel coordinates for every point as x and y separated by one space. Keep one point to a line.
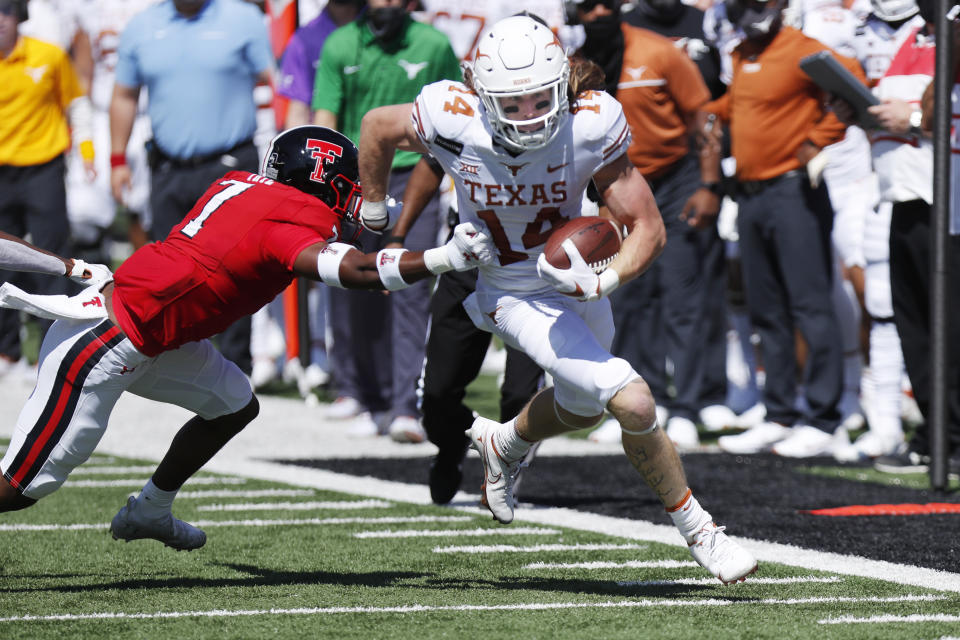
437 261
118 160
328 263
374 215
86 150
607 282
79 266
388 266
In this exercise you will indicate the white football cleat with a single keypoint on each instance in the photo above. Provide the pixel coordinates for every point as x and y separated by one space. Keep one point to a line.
805 441
683 433
406 429
721 556
496 492
608 431
754 440
718 417
130 524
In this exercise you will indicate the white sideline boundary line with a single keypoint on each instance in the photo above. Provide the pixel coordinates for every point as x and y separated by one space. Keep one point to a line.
713 581
297 506
809 559
457 533
536 606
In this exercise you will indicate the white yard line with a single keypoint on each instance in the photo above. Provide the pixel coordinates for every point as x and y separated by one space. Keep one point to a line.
458 533
887 618
239 493
297 506
206 524
137 483
713 581
90 470
631 564
810 559
536 606
538 548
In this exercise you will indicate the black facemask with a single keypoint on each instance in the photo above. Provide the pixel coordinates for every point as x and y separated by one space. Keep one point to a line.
386 22
604 46
662 11
761 24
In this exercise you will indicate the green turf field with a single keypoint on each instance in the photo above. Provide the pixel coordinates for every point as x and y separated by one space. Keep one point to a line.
287 561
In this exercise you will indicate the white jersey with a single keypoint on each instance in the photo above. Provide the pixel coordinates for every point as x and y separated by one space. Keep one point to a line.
53 21
520 198
463 21
849 159
876 43
103 21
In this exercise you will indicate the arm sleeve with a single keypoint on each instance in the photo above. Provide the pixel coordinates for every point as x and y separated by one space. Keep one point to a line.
128 67
328 83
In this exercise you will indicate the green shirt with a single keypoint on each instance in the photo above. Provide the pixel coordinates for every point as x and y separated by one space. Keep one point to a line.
356 73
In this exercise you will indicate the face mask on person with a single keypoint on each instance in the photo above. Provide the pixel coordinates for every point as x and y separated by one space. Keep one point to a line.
601 31
760 23
386 22
666 11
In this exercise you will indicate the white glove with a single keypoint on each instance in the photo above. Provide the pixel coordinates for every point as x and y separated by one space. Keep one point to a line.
469 247
380 215
579 280
100 274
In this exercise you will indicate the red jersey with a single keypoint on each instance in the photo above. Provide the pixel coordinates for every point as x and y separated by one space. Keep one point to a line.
231 254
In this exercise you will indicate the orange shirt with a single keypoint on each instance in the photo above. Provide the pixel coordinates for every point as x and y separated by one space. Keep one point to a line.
773 106
37 83
659 88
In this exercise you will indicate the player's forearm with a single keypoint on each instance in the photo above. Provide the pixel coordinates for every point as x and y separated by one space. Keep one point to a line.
19 255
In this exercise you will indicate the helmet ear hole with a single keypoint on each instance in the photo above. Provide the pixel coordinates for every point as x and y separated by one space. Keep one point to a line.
518 58
318 161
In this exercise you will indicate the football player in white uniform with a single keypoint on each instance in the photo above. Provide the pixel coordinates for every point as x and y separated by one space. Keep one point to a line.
521 150
90 205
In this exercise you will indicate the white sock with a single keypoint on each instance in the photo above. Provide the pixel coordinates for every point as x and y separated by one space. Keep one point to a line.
153 501
689 517
508 442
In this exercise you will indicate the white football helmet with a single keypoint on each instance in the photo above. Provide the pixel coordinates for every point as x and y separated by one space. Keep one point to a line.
894 10
520 57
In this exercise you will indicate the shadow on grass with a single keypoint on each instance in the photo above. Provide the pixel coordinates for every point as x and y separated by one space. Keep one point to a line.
257 577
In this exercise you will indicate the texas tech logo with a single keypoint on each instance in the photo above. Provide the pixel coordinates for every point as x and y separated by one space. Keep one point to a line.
325 153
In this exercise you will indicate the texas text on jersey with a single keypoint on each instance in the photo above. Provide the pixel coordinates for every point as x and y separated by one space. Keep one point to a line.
520 197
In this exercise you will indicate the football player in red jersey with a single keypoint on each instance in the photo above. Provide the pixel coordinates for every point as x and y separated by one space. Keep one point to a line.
146 331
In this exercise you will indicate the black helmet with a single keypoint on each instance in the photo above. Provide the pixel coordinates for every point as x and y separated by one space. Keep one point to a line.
318 161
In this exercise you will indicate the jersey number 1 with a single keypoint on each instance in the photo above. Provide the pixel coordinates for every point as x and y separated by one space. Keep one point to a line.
234 188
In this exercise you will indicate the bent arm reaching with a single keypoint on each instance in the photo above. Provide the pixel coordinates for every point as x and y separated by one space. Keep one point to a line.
341 265
383 131
17 254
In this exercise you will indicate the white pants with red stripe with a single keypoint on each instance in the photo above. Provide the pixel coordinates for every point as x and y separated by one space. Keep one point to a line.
84 367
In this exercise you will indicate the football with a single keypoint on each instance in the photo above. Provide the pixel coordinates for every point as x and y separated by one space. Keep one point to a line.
597 239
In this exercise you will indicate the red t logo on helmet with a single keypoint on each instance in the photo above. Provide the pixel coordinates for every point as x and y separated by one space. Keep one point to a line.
325 153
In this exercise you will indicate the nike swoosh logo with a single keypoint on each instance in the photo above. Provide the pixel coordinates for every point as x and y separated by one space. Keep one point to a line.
490 478
351 69
556 168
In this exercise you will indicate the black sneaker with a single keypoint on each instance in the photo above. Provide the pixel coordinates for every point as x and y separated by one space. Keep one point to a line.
906 461
446 474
